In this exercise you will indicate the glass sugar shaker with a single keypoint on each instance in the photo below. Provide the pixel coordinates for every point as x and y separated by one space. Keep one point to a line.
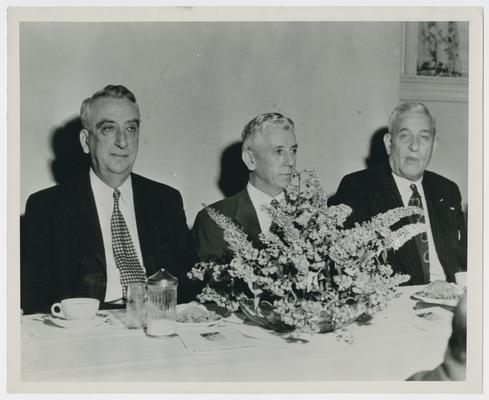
162 304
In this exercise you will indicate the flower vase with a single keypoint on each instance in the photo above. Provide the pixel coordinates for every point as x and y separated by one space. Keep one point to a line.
265 316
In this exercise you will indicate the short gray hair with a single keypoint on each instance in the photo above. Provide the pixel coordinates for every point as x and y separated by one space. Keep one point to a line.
112 91
260 122
409 107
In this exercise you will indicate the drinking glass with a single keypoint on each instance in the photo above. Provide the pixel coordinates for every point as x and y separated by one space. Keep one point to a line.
136 298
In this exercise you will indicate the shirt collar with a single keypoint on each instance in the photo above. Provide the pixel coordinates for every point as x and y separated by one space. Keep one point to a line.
126 188
100 188
404 184
260 198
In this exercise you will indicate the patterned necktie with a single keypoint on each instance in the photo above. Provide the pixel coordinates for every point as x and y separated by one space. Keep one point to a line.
422 238
274 203
273 226
125 254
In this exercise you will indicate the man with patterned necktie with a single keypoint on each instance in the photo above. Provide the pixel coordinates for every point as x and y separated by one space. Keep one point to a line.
269 151
94 235
440 251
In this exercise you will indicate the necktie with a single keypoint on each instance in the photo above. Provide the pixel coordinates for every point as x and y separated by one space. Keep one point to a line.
273 226
274 203
422 238
125 254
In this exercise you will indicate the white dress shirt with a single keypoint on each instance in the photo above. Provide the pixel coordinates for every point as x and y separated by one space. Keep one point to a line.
436 269
260 201
104 202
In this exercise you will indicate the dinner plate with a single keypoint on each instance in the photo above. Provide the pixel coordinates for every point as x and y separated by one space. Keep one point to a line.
444 302
99 319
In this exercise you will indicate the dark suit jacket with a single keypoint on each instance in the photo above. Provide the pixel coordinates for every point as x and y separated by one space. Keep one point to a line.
209 237
372 191
62 247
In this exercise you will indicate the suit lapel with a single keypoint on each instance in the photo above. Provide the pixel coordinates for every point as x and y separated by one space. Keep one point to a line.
144 217
407 255
86 218
389 192
436 211
246 216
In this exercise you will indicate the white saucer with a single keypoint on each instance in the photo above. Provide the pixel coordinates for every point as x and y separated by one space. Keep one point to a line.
99 319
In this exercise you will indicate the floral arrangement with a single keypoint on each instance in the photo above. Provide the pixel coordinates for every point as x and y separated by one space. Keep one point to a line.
311 274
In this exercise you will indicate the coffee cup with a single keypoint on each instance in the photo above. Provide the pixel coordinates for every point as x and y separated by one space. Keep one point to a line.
461 279
78 308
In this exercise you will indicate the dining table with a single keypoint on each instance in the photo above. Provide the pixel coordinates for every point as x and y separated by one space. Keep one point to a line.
395 343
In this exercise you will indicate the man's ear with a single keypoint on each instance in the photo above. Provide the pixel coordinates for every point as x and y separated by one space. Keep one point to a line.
84 141
248 159
388 142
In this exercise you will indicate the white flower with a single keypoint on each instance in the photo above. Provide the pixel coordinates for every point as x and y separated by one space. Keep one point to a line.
310 267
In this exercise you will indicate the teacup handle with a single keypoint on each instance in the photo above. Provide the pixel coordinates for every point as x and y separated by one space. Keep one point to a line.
56 310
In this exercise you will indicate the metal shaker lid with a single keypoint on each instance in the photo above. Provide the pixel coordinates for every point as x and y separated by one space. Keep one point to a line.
163 278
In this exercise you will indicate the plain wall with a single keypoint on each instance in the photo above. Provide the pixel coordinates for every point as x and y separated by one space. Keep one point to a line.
198 84
451 152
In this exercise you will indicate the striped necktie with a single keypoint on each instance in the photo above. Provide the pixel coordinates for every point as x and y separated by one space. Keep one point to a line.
125 254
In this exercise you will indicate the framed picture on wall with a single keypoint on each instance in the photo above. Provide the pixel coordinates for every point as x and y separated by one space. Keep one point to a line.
435 61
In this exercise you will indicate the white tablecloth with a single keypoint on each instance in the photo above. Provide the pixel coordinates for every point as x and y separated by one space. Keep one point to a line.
390 347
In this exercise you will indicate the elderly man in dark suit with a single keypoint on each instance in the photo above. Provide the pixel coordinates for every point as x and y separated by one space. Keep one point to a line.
440 251
96 234
269 152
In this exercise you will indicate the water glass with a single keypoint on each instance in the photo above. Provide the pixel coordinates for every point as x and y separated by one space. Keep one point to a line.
136 299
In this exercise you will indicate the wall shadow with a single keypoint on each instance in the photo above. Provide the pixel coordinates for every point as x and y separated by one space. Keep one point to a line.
377 154
69 160
234 174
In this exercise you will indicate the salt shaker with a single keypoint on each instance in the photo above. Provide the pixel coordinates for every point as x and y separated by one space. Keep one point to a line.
161 305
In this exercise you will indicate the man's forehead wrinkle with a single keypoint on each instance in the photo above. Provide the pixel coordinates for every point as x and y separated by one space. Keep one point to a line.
114 113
